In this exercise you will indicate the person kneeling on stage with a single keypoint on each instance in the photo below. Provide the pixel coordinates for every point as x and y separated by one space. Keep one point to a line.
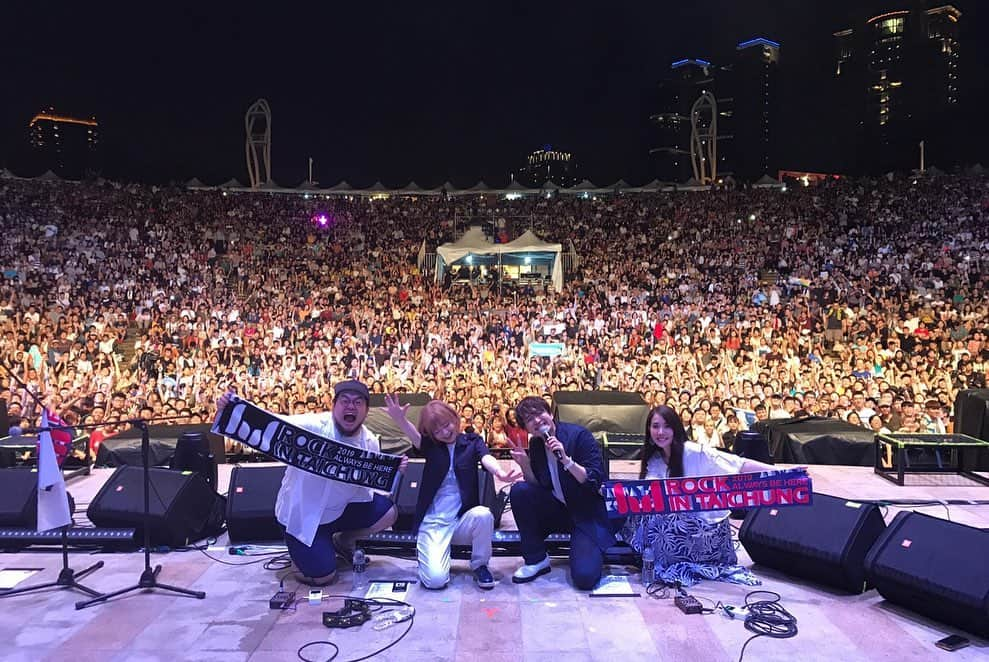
324 517
448 509
563 470
688 547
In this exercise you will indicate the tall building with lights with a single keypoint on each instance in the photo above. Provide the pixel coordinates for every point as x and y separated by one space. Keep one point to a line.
687 81
898 84
741 119
755 120
548 164
65 144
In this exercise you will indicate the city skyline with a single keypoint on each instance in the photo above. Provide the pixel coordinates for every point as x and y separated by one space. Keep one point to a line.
448 93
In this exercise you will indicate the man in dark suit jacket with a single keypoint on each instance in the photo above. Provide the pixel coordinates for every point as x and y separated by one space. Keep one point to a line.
563 470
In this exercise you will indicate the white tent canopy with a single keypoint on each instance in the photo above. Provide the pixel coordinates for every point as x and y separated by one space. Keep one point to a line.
767 182
475 243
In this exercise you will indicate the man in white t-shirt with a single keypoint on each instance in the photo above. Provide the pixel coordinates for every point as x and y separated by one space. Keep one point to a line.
324 517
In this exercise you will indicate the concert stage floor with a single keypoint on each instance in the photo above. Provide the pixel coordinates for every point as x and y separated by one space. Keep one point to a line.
512 622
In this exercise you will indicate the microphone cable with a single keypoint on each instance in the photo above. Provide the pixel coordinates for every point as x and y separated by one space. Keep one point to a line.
767 618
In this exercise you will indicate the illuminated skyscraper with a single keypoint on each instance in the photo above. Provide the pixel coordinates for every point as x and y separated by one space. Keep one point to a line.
898 84
742 122
688 80
755 120
547 164
65 144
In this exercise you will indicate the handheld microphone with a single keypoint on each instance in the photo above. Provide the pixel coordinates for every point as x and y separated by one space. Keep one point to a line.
544 433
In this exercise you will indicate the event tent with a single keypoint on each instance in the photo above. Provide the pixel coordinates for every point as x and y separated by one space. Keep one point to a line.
528 245
341 187
767 182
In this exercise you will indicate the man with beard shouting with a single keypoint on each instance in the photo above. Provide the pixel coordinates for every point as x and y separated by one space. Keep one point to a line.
323 517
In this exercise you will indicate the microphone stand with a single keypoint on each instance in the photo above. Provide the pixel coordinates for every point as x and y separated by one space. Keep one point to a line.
67 577
149 577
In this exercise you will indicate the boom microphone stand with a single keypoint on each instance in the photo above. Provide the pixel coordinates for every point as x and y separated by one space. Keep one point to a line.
149 577
67 577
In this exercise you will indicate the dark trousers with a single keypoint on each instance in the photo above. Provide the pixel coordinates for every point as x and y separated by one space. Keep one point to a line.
320 558
537 514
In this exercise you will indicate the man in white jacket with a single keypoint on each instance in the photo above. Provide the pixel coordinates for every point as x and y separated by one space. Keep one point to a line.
324 517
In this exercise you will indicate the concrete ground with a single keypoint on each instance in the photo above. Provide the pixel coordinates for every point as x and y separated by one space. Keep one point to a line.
535 621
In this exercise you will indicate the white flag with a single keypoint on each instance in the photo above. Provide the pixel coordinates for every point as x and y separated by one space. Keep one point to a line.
53 502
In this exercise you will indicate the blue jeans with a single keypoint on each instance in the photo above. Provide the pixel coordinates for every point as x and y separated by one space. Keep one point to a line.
538 514
320 558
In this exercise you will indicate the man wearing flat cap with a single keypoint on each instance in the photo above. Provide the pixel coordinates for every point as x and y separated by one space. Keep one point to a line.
324 517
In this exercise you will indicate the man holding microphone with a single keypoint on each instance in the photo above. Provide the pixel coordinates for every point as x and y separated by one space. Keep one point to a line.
563 470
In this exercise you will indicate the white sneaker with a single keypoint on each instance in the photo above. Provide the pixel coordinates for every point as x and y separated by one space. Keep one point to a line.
529 572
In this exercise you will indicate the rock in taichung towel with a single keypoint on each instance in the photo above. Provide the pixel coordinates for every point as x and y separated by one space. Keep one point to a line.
272 435
786 487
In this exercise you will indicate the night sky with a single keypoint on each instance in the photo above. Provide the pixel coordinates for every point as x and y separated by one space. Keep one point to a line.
430 91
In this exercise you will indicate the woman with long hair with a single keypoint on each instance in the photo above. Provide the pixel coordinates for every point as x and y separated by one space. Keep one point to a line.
687 546
515 433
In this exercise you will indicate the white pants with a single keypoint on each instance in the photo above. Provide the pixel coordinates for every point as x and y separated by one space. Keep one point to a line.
475 528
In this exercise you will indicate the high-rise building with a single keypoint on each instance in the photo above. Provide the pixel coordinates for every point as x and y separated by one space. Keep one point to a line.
676 158
547 164
721 113
898 85
755 92
65 144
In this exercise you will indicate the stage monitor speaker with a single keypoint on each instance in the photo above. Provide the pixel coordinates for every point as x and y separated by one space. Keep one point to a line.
972 418
125 448
818 440
391 438
597 398
19 498
192 453
488 496
413 399
972 413
934 567
602 411
621 445
753 445
406 495
825 542
251 503
182 506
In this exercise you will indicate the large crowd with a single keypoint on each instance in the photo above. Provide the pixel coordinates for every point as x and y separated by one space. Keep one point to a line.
864 300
